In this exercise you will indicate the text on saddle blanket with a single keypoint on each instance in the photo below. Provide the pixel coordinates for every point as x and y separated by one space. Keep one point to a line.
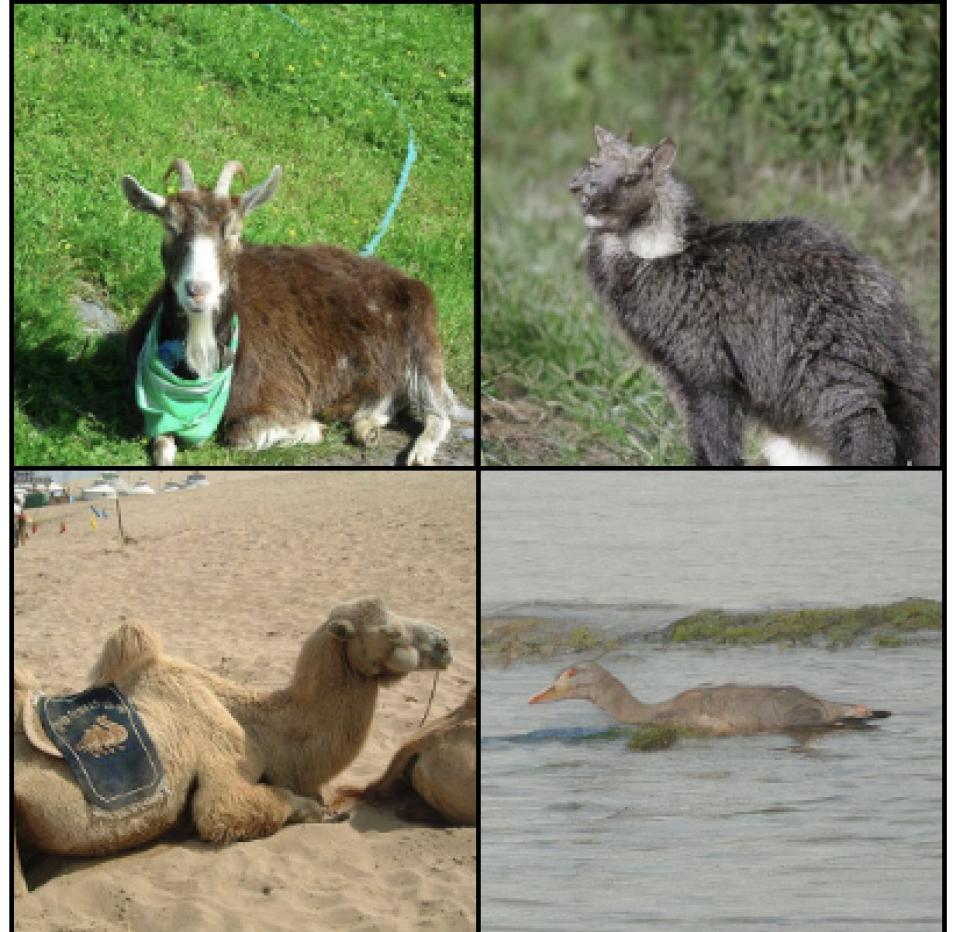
102 737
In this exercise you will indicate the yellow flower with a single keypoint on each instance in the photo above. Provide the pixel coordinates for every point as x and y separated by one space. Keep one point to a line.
291 68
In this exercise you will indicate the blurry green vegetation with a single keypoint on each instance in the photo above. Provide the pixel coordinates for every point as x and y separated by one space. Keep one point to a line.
822 81
516 638
893 625
888 625
830 112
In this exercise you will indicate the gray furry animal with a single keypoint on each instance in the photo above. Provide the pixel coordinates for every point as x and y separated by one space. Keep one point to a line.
781 320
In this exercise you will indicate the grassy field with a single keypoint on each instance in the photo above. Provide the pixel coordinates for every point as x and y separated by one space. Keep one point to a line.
566 389
101 91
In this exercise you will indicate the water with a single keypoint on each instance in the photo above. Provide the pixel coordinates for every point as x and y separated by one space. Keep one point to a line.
759 832
723 540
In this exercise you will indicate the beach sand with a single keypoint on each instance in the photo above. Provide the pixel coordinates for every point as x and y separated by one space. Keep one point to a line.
234 576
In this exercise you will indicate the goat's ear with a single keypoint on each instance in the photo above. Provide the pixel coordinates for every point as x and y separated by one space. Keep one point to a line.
262 192
140 198
341 628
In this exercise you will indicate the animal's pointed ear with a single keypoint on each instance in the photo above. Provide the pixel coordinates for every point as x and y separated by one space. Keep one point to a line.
262 192
341 628
140 198
604 137
663 155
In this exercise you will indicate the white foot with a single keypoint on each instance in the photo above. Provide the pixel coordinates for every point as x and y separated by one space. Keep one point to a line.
366 432
425 447
164 450
366 423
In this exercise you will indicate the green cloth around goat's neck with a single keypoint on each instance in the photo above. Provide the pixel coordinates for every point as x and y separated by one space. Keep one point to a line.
191 409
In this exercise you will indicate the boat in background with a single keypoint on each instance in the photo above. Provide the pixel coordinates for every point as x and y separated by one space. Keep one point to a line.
99 490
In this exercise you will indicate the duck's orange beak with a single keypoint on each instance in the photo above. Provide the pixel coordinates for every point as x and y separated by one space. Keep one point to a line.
547 695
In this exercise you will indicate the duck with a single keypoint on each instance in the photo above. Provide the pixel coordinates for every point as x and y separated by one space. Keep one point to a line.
714 710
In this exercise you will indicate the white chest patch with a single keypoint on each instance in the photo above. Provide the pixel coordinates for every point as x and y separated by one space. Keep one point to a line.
781 451
200 346
654 244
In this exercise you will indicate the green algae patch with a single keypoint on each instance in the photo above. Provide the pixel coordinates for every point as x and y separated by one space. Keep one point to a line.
654 738
529 637
892 625
610 734
888 640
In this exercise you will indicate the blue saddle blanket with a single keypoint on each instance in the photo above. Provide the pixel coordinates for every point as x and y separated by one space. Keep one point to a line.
103 739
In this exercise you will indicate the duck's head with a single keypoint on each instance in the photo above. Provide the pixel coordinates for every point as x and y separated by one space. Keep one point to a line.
576 682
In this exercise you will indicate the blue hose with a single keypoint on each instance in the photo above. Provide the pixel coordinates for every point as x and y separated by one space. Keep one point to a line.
374 242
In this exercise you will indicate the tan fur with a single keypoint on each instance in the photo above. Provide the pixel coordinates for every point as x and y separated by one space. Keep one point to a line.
220 739
23 683
438 762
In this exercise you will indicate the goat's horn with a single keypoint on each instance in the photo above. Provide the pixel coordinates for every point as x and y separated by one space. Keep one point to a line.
181 167
226 176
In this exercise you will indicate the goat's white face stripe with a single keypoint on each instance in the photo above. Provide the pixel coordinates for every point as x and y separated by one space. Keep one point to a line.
201 268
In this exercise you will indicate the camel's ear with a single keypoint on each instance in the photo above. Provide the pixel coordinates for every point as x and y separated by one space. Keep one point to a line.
341 628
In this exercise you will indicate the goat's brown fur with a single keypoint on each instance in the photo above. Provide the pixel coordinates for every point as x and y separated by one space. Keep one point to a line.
340 286
324 333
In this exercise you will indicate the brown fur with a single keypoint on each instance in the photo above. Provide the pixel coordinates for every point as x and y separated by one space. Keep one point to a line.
324 333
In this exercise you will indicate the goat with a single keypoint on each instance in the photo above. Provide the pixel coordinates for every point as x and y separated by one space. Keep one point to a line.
323 333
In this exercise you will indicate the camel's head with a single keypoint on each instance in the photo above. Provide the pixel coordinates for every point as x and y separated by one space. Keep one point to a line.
379 643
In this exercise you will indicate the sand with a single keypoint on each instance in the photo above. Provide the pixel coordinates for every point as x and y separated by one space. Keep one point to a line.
234 576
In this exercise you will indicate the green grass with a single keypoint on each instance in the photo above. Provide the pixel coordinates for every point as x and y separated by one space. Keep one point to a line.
548 74
101 91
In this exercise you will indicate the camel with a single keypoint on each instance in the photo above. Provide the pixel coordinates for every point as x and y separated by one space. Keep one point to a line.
716 710
439 762
254 760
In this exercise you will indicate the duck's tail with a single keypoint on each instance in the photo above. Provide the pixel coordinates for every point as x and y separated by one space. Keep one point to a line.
860 714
